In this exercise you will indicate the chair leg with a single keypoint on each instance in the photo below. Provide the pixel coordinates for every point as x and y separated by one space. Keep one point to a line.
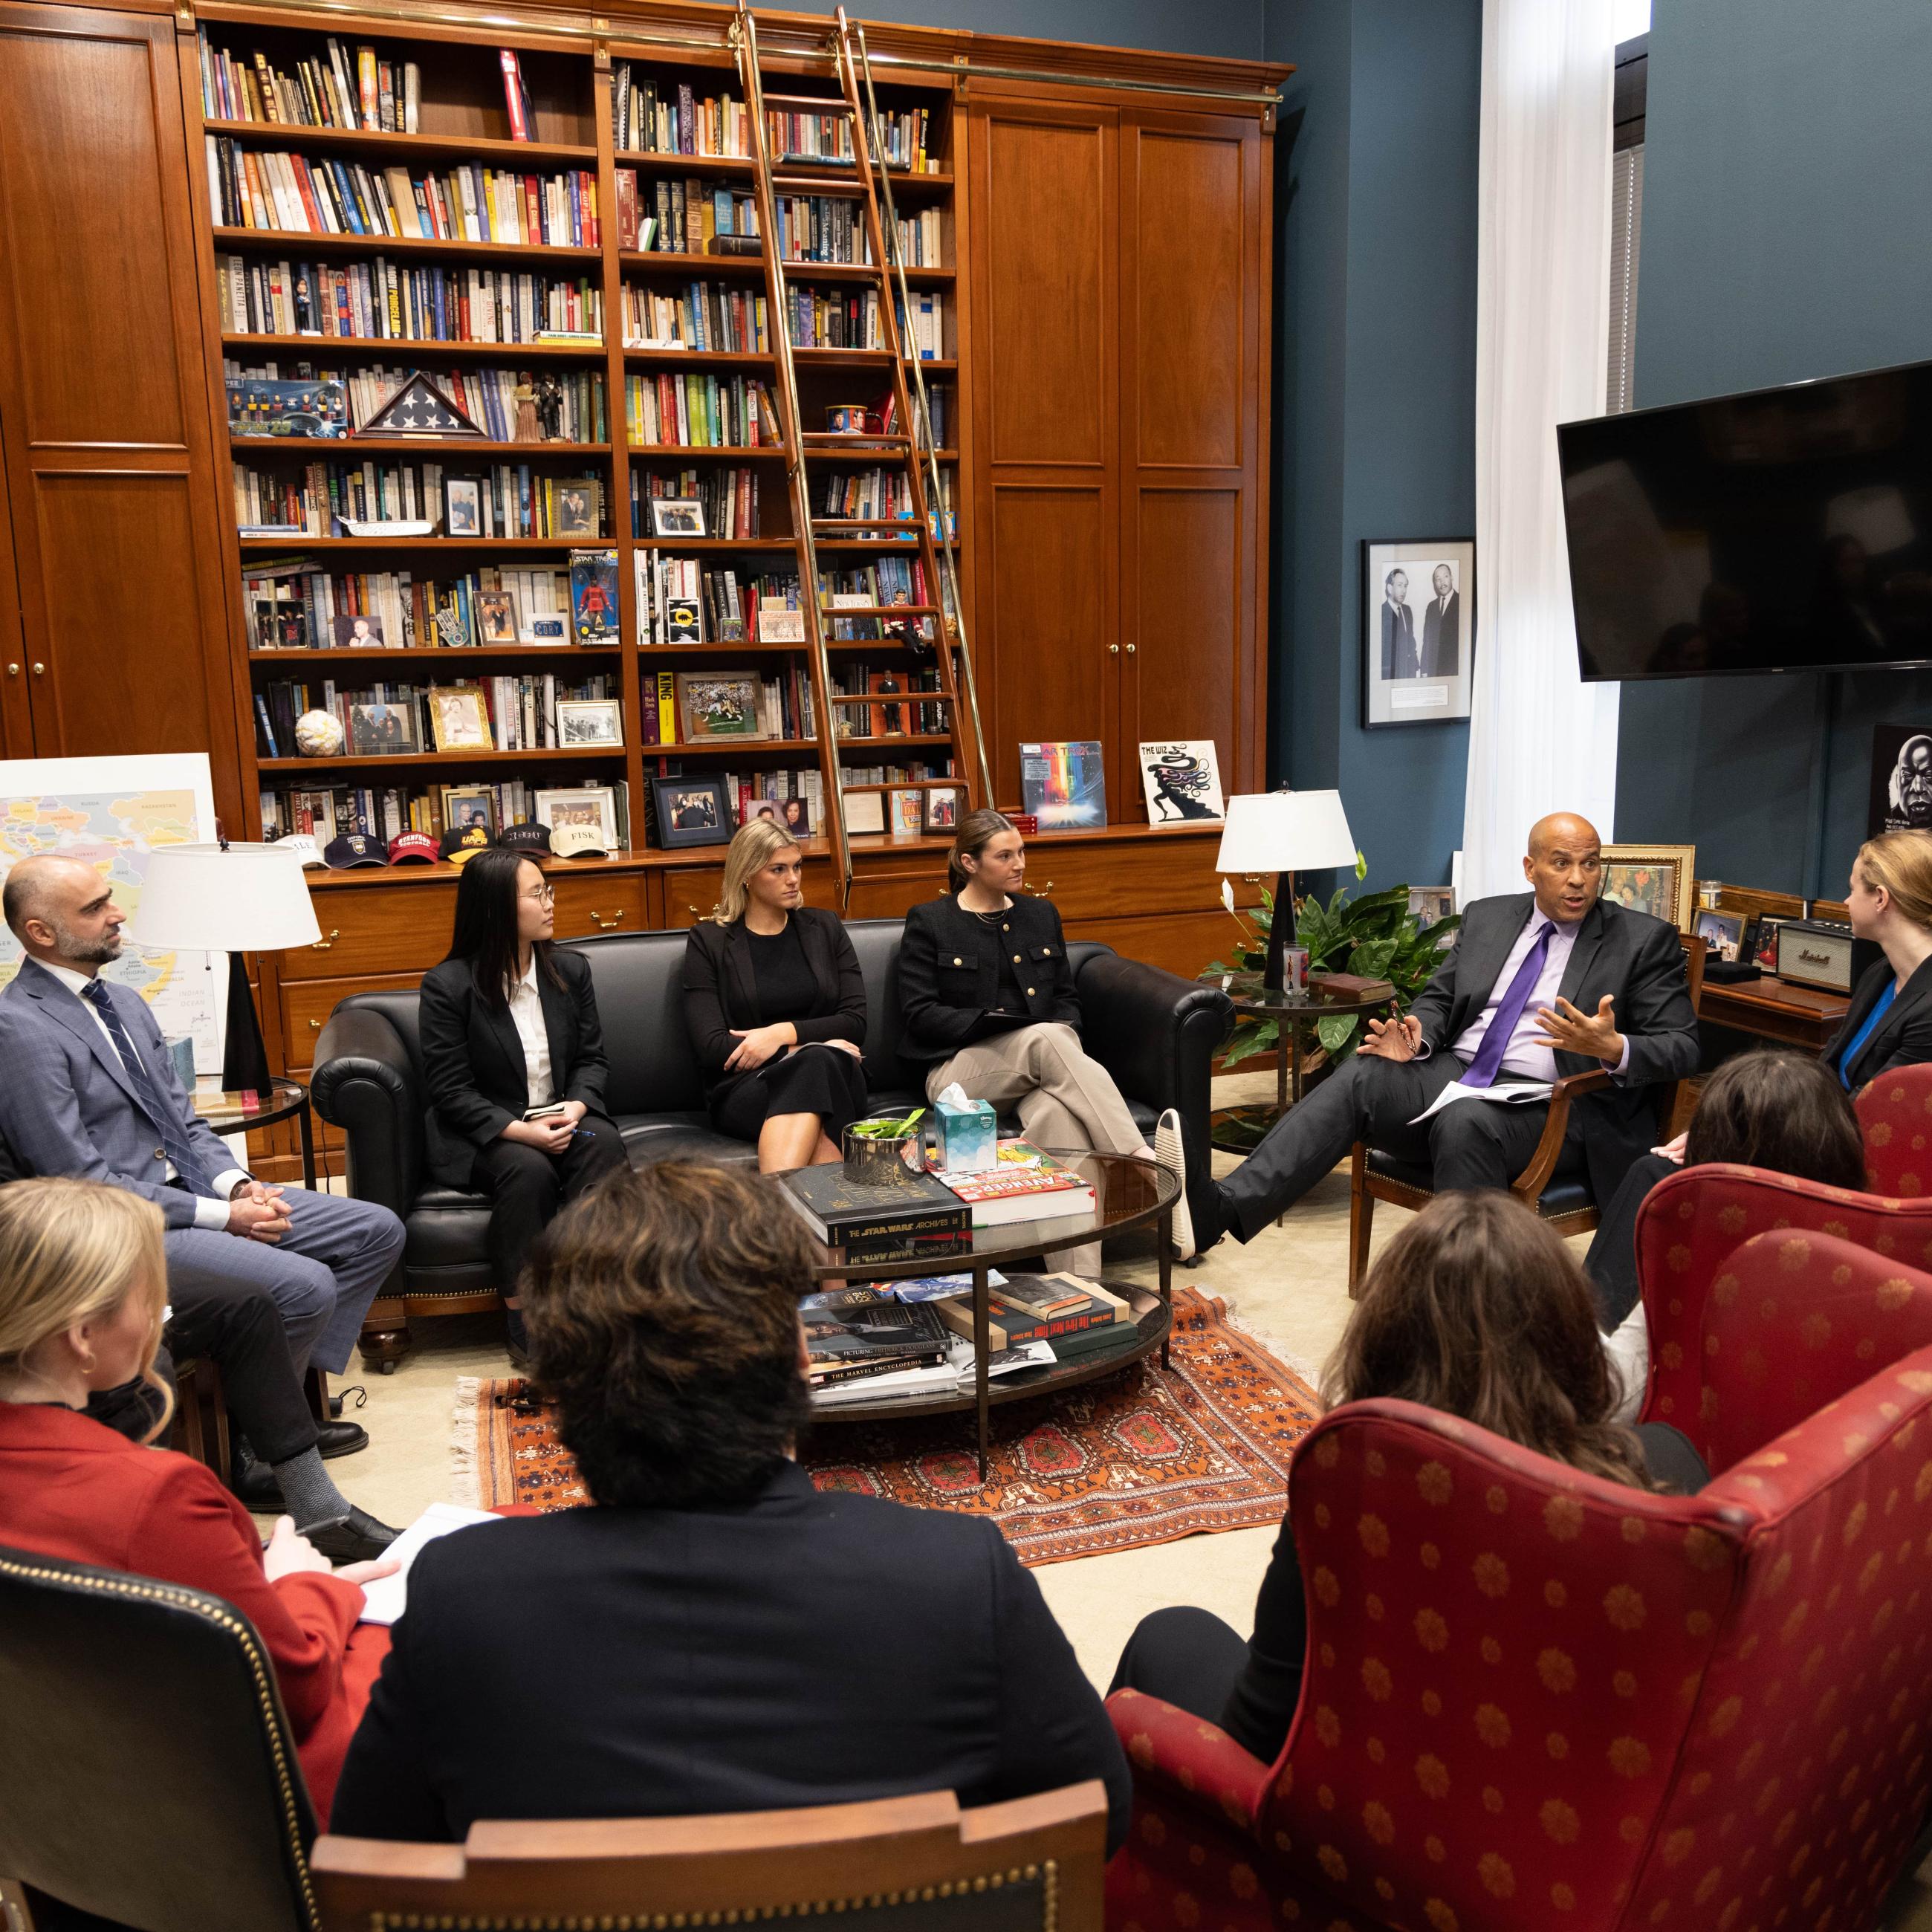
193 1441
1361 1218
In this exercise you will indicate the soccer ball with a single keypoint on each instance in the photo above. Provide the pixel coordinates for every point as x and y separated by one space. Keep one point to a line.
319 735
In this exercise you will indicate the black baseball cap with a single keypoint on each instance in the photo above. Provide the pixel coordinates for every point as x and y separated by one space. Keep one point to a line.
463 842
526 837
352 849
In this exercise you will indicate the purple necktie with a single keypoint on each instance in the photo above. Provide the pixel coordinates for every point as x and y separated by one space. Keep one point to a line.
1488 1060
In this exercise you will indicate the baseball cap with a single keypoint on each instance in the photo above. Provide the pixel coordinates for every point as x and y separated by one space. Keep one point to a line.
577 842
302 844
461 843
412 848
352 849
526 837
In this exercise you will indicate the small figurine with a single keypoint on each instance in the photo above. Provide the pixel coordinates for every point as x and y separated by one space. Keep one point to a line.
528 430
550 407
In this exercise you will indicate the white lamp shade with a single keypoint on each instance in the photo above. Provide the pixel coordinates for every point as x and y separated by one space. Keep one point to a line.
1285 832
205 898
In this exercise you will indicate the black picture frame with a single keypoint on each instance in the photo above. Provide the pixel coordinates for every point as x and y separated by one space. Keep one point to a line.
1394 697
675 799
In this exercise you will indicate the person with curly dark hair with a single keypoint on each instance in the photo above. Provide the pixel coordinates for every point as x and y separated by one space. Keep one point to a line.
712 1634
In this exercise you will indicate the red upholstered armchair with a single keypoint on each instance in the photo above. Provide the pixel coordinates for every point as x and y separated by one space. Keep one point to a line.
1535 1699
1895 1115
1690 1226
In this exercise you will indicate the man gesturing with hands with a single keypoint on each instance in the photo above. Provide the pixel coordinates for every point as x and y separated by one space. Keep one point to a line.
1536 985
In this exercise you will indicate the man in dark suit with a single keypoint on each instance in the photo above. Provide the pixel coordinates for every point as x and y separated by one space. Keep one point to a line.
1442 626
707 1636
1400 656
1538 986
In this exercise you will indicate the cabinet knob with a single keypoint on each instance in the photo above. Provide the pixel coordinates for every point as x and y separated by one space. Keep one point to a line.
323 945
1128 649
12 671
604 921
1113 650
40 671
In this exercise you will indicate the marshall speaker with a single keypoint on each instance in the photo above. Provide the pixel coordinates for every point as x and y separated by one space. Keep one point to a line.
1821 953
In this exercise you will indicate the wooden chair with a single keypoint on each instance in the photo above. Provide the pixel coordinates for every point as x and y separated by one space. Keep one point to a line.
200 1428
1564 1200
1032 1865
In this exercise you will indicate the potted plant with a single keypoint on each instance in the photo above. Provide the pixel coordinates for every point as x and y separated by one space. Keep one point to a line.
883 1151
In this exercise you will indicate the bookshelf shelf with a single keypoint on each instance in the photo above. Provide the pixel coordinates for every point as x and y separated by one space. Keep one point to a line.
698 358
424 761
410 445
386 347
752 268
682 543
856 744
271 546
437 654
427 147
687 452
301 242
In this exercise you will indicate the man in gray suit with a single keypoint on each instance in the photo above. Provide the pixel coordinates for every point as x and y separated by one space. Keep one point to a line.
90 1092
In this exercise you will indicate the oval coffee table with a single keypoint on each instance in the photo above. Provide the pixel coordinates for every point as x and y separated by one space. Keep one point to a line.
1129 1193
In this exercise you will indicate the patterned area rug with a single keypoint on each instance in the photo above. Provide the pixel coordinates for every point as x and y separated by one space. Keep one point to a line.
1145 1457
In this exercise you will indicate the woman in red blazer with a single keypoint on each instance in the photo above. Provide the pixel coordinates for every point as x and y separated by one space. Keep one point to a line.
82 1278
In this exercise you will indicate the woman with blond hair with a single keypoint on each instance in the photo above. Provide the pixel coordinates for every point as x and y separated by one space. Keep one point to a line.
1889 1022
775 1004
82 1281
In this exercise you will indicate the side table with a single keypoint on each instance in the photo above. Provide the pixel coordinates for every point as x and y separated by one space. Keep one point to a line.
228 1112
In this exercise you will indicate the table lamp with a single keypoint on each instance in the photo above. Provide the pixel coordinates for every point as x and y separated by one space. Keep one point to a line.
1285 832
229 898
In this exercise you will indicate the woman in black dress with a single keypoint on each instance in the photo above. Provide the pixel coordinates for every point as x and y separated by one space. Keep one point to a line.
775 1004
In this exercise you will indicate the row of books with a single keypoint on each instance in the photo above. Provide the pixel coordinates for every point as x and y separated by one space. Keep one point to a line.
704 315
829 228
833 318
498 500
682 601
664 217
387 719
378 300
730 498
686 707
700 411
362 91
270 189
876 492
905 716
488 397
295 604
387 812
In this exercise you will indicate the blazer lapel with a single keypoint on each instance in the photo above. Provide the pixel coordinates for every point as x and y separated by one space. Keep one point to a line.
818 956
61 1005
1583 954
1914 992
509 1042
738 965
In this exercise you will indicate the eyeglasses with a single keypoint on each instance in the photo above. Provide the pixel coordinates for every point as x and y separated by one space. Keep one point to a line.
544 895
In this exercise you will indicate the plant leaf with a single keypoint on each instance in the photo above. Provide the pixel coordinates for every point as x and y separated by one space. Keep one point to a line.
1335 1032
1250 1038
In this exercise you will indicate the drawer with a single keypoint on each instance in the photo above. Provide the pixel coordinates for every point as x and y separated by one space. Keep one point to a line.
689 894
375 929
307 1003
613 903
1100 879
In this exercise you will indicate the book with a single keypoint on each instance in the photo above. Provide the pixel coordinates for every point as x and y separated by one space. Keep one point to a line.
860 1222
1026 1186
1010 1326
847 1345
1064 783
516 96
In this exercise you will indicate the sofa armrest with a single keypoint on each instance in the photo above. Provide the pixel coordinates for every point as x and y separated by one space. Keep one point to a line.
364 1083
1190 1761
1157 1034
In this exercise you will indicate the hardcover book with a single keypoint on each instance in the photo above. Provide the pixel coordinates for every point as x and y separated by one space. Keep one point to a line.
841 1345
1025 1186
857 1219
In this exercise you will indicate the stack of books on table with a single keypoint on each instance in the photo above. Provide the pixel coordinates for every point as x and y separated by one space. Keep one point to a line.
1026 1186
1075 1318
862 1346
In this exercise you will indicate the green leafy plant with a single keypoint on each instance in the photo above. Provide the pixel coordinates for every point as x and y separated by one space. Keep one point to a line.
886 1130
1377 937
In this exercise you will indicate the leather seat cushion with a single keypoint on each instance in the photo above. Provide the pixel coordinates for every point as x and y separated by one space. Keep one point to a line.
1568 1192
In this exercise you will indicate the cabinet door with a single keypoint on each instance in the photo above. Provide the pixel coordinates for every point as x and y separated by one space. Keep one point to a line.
104 412
16 716
1193 223
1046 408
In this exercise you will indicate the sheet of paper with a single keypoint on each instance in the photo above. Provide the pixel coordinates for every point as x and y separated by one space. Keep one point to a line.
1517 1096
384 1600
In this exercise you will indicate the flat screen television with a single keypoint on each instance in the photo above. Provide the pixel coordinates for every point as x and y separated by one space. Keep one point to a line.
1782 530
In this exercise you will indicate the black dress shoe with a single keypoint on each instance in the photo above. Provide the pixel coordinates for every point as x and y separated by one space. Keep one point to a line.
255 1484
341 1438
358 1538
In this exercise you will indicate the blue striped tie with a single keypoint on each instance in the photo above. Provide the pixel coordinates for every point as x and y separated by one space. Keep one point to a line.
187 1165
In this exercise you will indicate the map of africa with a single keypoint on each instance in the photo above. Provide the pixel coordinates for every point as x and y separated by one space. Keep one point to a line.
116 831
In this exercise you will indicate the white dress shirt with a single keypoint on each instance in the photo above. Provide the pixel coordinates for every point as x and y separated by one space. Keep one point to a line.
1523 1056
207 1213
526 1011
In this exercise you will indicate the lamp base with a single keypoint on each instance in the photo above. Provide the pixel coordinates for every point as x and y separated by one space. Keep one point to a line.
1281 932
244 1060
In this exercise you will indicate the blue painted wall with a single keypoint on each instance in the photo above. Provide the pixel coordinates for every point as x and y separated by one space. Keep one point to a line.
1374 385
1787 175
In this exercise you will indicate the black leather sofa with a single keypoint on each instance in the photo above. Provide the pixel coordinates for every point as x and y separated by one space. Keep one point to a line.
1156 1033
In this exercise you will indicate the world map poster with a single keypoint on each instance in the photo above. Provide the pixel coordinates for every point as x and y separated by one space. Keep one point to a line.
112 813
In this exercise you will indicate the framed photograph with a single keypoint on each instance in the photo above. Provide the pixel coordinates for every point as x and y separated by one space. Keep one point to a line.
778 624
357 633
795 815
593 806
579 507
1418 630
1722 932
1659 879
1763 940
692 811
497 617
463 506
865 811
772 808
1901 780
279 626
1432 904
905 811
945 806
585 722
677 517
459 718
1182 779
717 704
376 731
466 807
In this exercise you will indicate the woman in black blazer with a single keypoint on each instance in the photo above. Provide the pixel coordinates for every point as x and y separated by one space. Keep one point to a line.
775 1004
990 1005
509 1026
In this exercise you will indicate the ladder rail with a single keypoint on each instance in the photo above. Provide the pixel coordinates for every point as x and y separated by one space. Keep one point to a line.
746 48
924 440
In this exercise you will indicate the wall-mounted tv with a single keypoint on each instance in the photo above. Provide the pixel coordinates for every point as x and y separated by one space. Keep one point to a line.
1782 530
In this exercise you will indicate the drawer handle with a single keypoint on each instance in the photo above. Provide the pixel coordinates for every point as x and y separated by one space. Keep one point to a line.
604 925
692 909
315 1026
323 945
1042 892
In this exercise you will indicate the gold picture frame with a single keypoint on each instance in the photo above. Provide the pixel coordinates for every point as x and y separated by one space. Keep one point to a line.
1659 879
460 718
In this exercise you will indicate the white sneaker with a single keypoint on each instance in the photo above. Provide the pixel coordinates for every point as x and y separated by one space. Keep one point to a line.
1168 1150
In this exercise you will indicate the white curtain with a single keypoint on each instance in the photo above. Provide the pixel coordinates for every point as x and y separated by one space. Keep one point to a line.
1540 739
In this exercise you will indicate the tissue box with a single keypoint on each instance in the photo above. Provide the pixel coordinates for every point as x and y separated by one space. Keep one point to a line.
967 1141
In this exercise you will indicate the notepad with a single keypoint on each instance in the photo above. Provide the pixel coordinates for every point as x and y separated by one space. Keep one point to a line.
385 1600
1517 1094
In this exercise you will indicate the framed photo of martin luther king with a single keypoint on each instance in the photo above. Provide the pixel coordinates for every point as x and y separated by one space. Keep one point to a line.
1418 630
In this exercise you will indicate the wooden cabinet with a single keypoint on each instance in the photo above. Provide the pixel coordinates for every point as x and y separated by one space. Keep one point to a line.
1119 262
